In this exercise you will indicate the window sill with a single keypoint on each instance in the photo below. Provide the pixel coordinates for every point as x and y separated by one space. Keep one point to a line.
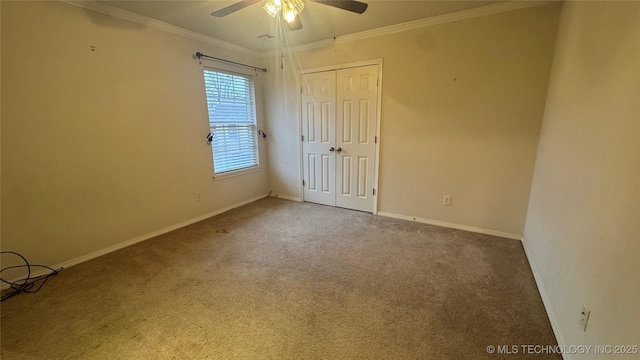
229 174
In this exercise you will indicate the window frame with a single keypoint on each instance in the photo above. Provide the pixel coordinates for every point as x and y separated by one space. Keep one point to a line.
254 125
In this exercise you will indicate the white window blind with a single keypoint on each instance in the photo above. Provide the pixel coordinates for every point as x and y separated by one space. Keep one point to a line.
232 119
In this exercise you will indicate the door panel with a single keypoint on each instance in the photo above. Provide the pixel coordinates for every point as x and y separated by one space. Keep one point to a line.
346 121
311 172
346 179
363 171
318 128
357 98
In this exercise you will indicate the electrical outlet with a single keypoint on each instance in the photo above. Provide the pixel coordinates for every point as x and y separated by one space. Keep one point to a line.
584 317
446 201
198 196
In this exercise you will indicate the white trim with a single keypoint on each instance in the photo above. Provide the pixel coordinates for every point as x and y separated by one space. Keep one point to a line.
138 239
340 66
286 197
545 299
243 171
453 226
156 24
417 24
300 129
376 169
336 67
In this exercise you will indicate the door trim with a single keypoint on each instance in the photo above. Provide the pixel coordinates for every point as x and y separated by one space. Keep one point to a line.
301 72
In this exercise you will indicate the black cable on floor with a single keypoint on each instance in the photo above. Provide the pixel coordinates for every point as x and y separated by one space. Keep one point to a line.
28 284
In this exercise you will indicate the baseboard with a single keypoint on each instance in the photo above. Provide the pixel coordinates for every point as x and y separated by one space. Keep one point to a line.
545 299
452 226
138 239
286 197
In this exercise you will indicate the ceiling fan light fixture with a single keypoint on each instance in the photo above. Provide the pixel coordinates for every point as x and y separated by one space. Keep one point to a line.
289 8
272 8
289 16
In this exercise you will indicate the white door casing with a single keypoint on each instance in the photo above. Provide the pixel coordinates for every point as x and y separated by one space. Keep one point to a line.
339 114
318 102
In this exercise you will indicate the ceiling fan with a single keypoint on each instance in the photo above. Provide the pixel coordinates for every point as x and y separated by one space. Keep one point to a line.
289 9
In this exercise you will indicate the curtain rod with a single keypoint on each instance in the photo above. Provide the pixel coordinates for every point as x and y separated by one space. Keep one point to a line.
201 55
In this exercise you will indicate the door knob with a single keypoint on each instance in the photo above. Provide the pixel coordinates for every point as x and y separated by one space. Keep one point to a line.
331 148
339 149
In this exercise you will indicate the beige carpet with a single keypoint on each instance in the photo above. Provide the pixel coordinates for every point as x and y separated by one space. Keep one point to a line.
283 280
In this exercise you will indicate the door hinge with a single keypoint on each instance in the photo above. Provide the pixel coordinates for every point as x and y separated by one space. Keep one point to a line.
374 191
302 182
301 90
375 139
377 82
302 136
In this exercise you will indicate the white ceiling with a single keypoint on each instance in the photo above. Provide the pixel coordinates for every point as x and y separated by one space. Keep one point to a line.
320 21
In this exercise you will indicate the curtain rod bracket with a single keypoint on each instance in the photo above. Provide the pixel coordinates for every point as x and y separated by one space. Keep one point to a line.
200 55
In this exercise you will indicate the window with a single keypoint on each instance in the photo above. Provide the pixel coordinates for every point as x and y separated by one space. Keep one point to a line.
232 120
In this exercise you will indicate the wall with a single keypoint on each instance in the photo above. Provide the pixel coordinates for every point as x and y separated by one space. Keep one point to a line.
462 105
102 146
582 233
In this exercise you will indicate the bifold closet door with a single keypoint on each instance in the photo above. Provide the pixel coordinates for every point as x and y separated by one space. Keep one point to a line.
357 104
339 120
319 133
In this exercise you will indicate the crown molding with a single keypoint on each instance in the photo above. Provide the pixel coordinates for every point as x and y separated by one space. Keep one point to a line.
386 30
416 24
156 24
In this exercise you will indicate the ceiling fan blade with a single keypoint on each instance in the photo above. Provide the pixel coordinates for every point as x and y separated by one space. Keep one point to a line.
295 24
233 8
349 5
